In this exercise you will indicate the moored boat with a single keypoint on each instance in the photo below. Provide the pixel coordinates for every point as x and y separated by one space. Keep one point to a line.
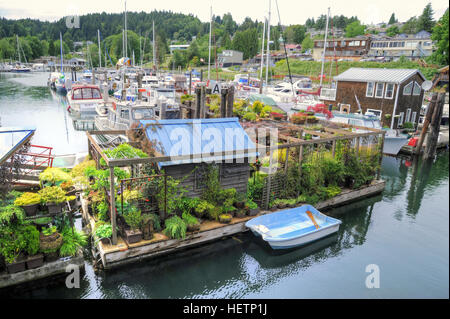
84 98
293 227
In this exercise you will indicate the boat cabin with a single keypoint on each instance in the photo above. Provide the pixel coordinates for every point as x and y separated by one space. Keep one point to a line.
86 93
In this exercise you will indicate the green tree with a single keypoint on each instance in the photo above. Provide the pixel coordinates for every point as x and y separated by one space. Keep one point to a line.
246 42
426 21
392 19
440 36
410 26
307 43
51 48
295 33
392 31
354 29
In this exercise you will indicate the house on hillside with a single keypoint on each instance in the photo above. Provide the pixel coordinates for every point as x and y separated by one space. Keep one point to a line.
196 136
394 95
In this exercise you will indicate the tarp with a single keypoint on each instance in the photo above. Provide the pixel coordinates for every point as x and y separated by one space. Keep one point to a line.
267 100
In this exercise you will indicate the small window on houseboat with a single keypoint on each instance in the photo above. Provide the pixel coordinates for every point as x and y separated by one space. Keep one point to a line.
408 88
389 91
400 119
369 90
379 90
413 118
417 89
87 93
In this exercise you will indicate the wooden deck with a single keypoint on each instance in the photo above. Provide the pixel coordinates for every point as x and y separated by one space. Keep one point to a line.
123 253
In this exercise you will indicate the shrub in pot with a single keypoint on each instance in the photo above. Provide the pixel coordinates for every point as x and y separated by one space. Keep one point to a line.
253 208
192 223
12 244
42 222
133 219
150 224
240 213
31 236
73 241
54 197
203 209
29 202
175 227
50 242
225 218
104 233
240 200
11 215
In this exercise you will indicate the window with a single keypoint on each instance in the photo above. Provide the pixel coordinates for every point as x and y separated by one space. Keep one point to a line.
96 94
344 108
87 93
369 90
77 94
408 88
413 118
389 91
408 115
400 119
377 113
417 89
379 90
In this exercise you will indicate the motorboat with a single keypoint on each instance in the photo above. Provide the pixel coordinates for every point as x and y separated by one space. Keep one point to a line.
84 98
293 227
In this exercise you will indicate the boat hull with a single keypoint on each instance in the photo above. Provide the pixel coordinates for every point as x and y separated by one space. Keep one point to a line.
393 145
304 240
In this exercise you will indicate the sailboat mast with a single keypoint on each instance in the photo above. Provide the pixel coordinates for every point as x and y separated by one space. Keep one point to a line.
99 50
154 46
324 48
209 55
262 57
18 47
60 40
126 43
268 43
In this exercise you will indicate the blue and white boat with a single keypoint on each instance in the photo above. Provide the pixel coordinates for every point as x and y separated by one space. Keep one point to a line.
293 227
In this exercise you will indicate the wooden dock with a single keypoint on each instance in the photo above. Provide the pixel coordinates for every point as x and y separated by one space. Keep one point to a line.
123 253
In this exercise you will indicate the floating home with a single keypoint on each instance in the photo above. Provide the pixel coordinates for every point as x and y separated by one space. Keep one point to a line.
293 139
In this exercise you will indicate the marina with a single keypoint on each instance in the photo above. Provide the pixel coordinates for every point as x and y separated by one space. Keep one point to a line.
153 163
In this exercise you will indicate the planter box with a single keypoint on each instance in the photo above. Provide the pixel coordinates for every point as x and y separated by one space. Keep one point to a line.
49 257
253 212
31 210
133 236
54 209
35 261
16 267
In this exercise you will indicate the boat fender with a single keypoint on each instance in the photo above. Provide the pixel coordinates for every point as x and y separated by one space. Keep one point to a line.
114 105
68 109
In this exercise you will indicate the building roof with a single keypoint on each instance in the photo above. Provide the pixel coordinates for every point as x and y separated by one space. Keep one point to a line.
377 75
196 136
11 139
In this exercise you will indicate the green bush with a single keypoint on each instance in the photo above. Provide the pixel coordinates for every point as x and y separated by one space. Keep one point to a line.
104 231
11 214
52 195
175 228
27 199
72 241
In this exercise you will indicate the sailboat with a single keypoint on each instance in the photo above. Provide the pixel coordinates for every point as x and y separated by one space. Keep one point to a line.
19 67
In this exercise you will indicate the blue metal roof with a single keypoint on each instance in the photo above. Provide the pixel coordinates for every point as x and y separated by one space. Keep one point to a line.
196 136
11 138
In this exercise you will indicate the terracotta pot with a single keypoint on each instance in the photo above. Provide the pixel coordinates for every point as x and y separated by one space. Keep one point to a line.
30 210
35 261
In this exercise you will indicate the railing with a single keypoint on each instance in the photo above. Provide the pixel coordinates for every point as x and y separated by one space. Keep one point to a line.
37 157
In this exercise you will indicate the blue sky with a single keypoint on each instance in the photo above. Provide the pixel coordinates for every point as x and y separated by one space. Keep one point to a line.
291 11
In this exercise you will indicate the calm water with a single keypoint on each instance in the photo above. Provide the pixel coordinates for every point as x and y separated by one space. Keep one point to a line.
25 100
405 231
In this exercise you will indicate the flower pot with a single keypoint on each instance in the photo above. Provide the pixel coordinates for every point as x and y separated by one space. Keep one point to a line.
195 227
31 210
240 213
35 261
281 206
105 241
148 230
51 256
51 242
54 209
18 266
239 205
225 219
133 236
253 212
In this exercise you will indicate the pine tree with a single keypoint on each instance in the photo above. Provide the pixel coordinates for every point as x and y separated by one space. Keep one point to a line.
392 20
426 21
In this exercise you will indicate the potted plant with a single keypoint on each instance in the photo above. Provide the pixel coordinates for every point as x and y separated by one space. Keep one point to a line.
104 233
29 202
150 224
34 259
54 197
192 223
133 219
50 242
203 208
240 213
12 244
253 208
42 222
225 218
175 227
240 200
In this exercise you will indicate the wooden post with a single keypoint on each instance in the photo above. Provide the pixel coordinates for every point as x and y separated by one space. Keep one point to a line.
202 102
198 94
381 155
112 201
223 102
139 78
269 180
430 149
333 149
230 101
357 146
286 161
190 82
426 122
